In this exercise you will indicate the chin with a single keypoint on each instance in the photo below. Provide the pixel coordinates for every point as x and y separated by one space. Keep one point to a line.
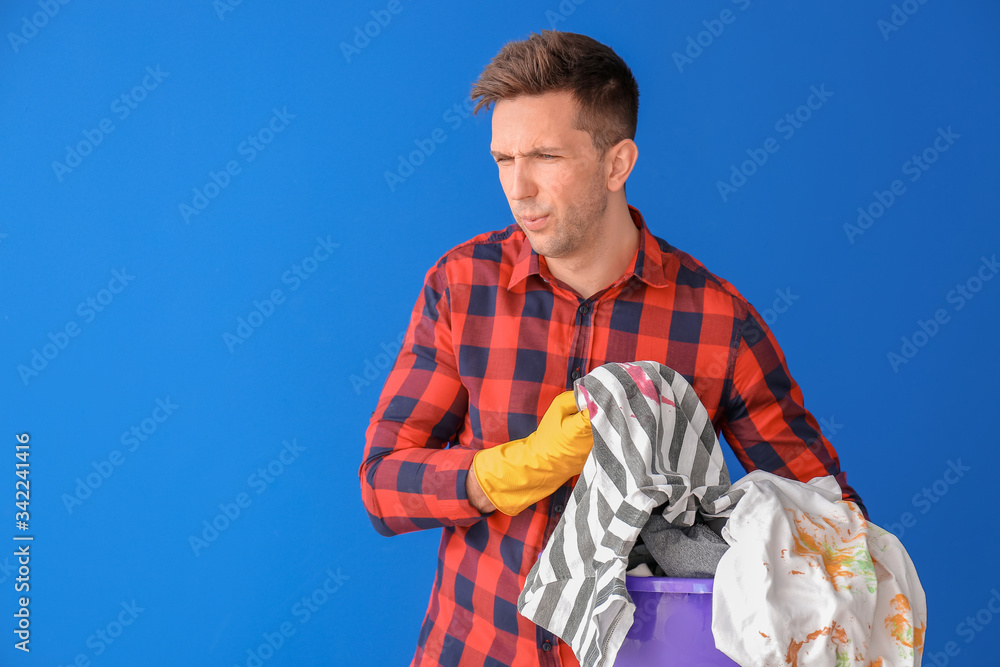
536 245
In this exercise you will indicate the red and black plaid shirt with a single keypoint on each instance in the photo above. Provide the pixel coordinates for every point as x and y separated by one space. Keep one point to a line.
493 338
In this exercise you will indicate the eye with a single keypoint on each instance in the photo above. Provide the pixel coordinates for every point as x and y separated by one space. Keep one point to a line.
546 156
503 160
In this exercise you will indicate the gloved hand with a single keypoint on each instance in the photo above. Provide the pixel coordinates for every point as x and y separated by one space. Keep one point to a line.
521 472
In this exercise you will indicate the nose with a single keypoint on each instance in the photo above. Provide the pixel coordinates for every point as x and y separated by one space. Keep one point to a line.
521 184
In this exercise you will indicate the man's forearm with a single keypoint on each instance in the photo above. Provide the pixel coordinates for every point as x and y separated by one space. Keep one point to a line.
417 488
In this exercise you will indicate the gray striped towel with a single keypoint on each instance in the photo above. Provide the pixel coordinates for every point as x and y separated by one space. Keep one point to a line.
654 444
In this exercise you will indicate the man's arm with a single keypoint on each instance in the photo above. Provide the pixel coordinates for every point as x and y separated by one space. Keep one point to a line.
409 480
767 423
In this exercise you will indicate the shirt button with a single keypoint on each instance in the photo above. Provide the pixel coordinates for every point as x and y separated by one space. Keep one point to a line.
546 645
576 374
558 509
584 309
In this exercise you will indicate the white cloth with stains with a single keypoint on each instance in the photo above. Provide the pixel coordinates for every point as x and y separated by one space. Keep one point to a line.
839 590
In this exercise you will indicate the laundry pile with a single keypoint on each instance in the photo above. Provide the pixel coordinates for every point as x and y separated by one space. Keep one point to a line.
663 550
801 578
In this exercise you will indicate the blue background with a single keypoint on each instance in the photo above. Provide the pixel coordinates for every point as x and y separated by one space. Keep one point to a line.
310 373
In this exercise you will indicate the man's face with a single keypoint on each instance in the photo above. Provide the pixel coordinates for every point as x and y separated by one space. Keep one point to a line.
551 173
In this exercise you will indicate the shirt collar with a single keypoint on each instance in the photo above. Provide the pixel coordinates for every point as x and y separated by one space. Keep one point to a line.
647 265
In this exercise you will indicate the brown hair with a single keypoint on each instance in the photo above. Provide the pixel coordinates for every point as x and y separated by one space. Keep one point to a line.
600 81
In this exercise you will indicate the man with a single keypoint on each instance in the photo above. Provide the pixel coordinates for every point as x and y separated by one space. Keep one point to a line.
475 431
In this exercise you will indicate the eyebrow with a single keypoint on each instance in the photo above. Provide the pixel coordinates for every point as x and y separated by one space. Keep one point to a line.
534 152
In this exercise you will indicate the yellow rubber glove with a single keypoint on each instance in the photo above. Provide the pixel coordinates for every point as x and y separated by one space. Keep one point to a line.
519 473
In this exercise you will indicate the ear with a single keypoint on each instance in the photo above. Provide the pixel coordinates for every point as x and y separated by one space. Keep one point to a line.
620 160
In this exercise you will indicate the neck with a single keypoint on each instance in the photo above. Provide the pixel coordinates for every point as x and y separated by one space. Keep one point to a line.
607 258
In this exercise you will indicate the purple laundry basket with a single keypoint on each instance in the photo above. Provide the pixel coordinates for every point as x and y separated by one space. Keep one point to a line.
673 624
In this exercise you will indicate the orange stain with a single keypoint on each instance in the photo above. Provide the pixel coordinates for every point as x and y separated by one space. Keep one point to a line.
835 560
809 542
838 634
901 628
792 656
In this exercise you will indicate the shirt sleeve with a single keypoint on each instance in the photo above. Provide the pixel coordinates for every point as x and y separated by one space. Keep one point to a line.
767 423
413 474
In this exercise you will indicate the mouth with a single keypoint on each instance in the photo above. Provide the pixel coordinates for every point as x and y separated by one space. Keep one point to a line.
533 223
